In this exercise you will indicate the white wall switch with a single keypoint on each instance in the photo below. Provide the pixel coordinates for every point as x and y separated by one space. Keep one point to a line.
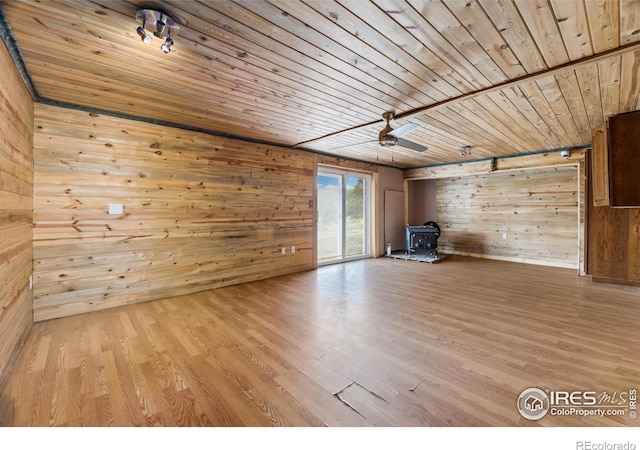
283 250
293 249
115 208
504 236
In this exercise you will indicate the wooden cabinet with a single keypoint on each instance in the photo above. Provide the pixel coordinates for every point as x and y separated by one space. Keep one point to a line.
615 161
599 165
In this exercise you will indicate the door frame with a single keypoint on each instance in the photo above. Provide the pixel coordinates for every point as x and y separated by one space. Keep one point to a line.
369 211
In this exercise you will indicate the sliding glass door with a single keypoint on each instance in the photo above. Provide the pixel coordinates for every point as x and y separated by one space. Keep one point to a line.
343 215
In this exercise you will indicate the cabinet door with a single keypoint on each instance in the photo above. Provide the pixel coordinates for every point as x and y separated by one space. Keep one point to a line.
623 143
599 165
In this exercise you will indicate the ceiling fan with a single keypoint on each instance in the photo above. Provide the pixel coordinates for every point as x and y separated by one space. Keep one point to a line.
389 137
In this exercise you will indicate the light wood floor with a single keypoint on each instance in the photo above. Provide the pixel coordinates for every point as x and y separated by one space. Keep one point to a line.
376 342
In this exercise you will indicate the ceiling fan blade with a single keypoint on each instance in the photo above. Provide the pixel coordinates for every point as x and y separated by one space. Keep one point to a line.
411 145
404 129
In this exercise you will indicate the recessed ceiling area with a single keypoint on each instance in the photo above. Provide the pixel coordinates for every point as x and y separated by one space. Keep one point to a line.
502 77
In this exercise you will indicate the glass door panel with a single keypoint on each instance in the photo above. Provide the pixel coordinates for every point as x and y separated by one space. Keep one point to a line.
355 223
343 216
330 241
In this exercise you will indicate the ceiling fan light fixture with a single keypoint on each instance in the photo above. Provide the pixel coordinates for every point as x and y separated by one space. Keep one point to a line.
387 140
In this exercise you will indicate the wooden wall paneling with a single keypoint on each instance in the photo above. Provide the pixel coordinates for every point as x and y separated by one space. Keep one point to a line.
633 258
537 160
618 246
448 170
342 163
16 213
199 211
582 216
537 209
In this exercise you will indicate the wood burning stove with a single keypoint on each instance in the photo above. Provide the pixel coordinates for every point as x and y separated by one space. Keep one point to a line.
422 240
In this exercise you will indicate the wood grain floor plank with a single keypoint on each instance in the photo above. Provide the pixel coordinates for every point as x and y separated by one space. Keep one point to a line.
377 342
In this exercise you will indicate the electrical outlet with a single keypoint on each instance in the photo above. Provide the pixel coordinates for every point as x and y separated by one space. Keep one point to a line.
283 250
115 208
504 236
293 249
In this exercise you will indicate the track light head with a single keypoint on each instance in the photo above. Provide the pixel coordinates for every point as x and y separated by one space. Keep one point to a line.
146 37
166 47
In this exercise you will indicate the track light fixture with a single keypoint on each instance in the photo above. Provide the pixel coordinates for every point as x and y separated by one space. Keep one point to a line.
465 150
158 23
166 47
160 27
146 37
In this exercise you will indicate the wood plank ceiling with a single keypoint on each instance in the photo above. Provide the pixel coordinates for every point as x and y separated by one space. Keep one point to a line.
504 77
